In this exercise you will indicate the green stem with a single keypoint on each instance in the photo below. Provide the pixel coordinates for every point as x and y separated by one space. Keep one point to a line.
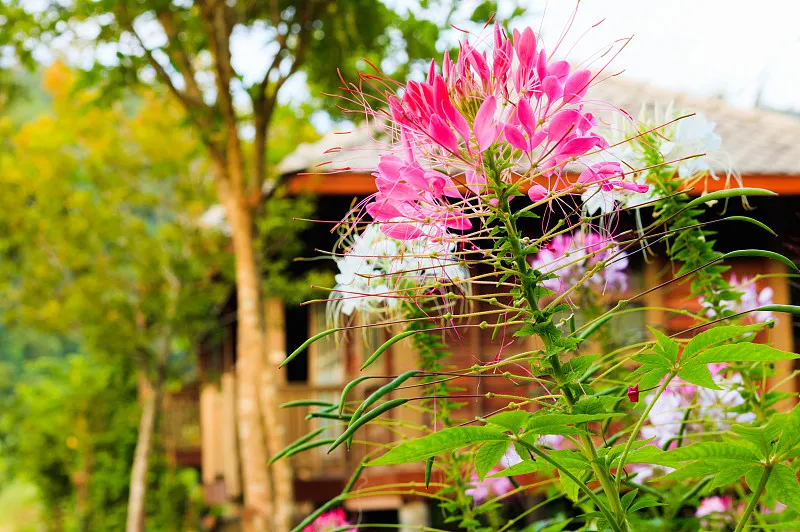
589 449
762 483
638 427
612 521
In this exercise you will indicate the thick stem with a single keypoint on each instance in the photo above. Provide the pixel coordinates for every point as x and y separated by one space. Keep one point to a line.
762 483
612 520
612 493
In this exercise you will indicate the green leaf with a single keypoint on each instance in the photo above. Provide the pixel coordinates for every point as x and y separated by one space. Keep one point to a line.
702 468
699 375
716 335
488 455
652 378
741 353
665 346
649 454
440 442
704 451
570 459
513 420
783 485
731 475
644 502
524 468
589 405
628 498
541 424
570 487
790 436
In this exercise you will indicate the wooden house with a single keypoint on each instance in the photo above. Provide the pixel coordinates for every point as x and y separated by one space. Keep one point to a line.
764 147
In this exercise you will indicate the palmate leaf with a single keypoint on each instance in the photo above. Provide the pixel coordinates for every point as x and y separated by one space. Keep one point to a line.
666 347
716 335
571 488
512 420
488 455
699 375
698 451
761 438
790 436
524 468
740 353
541 424
783 485
731 475
702 468
707 450
440 442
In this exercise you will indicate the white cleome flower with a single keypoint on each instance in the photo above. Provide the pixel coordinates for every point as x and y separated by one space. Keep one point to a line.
692 139
375 268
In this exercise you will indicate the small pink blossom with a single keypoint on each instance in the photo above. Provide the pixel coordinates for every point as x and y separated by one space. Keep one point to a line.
714 505
751 298
481 490
571 256
330 520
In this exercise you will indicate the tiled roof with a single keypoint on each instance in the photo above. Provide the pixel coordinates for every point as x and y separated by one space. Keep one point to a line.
757 141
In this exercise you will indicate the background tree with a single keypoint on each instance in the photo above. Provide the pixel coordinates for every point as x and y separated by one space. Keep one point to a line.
107 250
187 47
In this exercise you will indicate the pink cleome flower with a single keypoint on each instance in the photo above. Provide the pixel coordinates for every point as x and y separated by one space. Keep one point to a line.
513 97
714 505
481 490
571 256
330 520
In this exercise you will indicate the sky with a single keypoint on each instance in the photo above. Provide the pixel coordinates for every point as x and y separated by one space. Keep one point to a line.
741 50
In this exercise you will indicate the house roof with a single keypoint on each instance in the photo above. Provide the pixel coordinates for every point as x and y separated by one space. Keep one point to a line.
757 142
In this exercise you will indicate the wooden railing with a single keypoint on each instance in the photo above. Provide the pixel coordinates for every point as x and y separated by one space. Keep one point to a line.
316 462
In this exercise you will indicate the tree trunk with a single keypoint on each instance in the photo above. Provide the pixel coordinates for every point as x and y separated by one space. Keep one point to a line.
275 327
258 493
137 491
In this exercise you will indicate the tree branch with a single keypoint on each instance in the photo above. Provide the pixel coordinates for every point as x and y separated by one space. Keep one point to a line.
265 100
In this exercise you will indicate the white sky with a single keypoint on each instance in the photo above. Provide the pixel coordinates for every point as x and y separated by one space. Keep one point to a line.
728 48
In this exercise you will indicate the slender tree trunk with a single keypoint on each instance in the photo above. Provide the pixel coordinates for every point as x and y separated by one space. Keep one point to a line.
137 492
256 481
281 471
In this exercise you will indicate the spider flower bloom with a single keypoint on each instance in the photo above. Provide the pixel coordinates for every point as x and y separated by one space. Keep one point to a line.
570 257
714 505
480 490
690 145
377 269
330 520
512 97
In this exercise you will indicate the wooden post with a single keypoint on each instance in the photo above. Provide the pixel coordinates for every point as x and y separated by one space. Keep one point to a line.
782 335
230 448
209 429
